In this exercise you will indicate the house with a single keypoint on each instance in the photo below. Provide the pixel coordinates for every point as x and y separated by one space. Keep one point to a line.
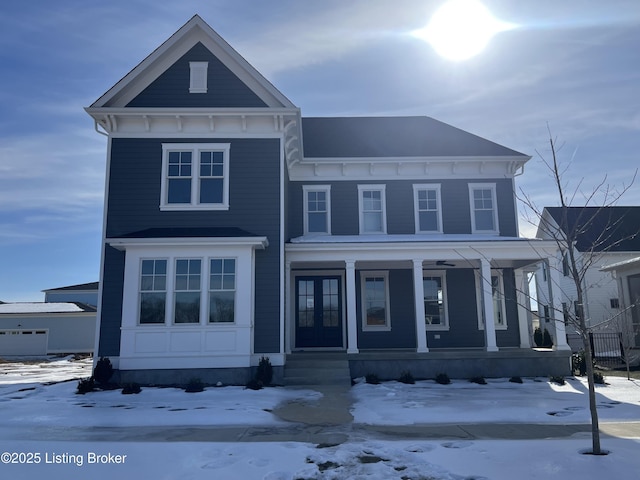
43 328
86 293
605 236
627 278
236 228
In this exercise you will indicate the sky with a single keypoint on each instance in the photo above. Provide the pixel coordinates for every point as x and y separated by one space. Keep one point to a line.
569 69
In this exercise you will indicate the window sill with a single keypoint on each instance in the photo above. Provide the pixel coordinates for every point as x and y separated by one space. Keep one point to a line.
188 207
376 329
437 328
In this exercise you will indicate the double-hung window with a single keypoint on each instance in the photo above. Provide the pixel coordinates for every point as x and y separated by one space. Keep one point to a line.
195 176
484 209
153 291
317 209
435 300
372 209
187 291
427 208
497 297
375 301
222 290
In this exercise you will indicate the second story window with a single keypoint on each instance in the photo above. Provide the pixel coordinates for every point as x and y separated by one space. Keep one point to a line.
317 209
428 213
195 176
371 202
484 209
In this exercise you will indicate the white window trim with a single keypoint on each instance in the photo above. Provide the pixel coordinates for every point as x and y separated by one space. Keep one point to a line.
374 274
195 149
170 292
206 288
316 188
167 293
442 274
376 187
500 275
174 292
484 186
426 186
198 77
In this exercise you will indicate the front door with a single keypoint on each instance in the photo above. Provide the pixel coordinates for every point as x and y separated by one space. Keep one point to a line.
318 312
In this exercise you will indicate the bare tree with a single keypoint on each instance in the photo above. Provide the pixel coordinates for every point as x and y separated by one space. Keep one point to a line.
567 231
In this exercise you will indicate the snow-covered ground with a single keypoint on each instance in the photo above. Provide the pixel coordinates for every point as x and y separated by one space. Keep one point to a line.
33 413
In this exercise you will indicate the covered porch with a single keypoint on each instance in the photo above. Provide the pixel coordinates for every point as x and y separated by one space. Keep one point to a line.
422 301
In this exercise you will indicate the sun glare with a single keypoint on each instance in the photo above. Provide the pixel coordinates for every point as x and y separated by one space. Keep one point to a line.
461 29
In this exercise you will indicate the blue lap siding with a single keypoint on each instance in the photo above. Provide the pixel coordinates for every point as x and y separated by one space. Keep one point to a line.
456 214
171 89
254 206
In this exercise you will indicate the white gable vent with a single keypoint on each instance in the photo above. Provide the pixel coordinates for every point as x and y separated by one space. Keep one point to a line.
198 82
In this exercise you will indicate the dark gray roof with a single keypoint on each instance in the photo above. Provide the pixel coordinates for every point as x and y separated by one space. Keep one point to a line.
330 137
614 229
189 232
81 286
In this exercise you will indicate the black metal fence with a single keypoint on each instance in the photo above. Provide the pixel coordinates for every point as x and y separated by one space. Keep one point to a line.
607 348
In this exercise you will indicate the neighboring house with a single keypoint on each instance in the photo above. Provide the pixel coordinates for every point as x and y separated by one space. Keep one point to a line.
605 236
64 323
86 293
627 277
235 228
42 328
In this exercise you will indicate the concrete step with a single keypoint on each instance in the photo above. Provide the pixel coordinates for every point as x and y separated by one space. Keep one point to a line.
323 368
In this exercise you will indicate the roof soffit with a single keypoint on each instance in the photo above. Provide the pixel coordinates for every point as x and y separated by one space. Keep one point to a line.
194 31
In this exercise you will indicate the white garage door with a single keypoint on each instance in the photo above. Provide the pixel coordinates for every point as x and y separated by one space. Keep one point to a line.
23 342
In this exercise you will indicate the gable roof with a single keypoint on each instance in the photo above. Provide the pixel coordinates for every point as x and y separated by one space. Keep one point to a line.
80 287
195 31
614 229
343 137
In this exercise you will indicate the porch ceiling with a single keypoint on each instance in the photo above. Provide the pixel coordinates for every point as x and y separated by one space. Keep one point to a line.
437 254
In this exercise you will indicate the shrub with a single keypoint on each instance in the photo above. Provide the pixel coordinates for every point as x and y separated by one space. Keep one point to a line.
542 339
578 363
557 380
264 373
194 385
372 378
254 384
131 388
443 379
547 341
406 377
85 385
478 380
515 380
103 371
598 378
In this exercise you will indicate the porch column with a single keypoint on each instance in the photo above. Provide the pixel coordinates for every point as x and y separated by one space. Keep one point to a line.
487 302
523 300
555 308
288 295
418 292
352 324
